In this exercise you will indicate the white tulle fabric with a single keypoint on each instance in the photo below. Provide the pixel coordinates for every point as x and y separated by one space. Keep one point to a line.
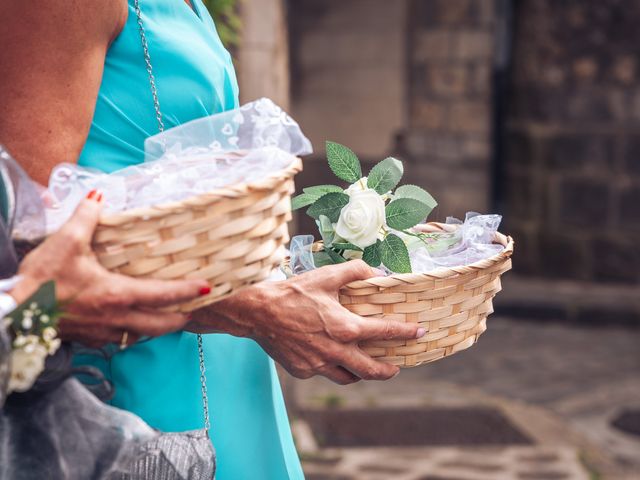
242 145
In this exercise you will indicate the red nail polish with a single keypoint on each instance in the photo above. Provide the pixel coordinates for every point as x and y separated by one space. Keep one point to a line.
92 194
205 291
99 199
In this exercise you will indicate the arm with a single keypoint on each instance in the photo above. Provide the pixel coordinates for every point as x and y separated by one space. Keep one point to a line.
302 325
51 61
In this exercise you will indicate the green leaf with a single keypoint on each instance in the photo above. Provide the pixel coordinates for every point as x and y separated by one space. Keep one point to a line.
326 230
302 200
395 255
322 259
371 254
405 213
385 175
343 162
346 246
413 191
320 190
335 256
329 205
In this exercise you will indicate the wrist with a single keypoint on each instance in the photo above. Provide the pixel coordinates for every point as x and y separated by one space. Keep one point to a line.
234 315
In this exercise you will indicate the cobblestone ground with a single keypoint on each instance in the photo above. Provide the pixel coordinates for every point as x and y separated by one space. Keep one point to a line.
583 376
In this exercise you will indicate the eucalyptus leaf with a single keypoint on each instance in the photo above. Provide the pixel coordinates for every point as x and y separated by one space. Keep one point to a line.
329 205
385 175
413 191
371 254
394 254
404 213
343 162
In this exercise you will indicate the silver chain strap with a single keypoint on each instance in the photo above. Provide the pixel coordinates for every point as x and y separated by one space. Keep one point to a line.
156 105
147 61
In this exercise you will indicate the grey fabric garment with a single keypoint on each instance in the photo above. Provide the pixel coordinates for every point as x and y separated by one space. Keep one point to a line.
68 434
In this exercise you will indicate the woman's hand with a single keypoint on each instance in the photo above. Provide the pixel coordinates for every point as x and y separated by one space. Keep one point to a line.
99 305
301 324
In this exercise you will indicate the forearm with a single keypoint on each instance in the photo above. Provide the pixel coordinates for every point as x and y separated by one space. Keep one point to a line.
235 315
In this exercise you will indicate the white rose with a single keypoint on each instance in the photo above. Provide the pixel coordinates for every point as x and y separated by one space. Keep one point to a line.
26 366
359 186
362 218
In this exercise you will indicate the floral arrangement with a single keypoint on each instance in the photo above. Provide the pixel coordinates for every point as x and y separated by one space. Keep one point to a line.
368 219
33 325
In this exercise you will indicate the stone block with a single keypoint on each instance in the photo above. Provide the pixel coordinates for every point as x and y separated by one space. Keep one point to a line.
447 80
631 154
616 259
480 79
583 203
629 209
563 256
584 152
429 115
470 45
432 45
520 148
525 260
521 196
470 116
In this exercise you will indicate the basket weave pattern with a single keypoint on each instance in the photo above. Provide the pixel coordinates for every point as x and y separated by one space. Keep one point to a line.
452 304
231 237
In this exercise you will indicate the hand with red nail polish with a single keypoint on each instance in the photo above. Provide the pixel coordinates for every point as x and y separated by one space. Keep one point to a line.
100 305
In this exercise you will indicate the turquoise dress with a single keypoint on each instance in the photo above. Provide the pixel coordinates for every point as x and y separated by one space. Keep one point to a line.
159 379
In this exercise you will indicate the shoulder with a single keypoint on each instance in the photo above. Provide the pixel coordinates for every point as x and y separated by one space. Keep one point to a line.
66 19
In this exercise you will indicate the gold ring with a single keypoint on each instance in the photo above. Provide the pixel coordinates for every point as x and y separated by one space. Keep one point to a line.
124 341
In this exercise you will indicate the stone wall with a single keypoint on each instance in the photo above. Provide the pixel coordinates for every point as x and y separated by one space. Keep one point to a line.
572 184
448 139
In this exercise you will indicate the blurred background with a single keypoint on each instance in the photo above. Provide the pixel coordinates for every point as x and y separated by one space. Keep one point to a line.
528 108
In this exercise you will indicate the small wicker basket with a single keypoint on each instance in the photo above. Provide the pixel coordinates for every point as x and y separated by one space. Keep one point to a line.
452 304
231 237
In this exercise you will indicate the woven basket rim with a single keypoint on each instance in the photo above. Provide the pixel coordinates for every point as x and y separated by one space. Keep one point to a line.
441 272
236 190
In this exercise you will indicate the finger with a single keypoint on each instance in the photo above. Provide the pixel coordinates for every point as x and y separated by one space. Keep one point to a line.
365 367
381 329
94 336
151 323
83 222
339 375
156 293
339 275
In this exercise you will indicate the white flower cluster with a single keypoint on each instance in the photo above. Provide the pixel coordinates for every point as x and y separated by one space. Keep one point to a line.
30 350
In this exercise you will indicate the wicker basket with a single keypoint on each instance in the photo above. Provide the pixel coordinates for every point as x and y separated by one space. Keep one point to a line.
452 304
231 237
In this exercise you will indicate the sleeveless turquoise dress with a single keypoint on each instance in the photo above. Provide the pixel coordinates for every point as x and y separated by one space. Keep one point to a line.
159 379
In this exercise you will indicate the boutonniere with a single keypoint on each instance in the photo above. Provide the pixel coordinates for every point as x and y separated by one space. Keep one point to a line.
372 218
33 325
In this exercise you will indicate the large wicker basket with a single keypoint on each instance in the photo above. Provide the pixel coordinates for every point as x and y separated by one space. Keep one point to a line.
231 237
452 304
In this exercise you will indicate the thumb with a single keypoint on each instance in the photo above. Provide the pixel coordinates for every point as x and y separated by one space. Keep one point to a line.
350 271
84 220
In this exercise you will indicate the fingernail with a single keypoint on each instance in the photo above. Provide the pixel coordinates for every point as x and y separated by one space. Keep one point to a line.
92 194
379 272
421 333
397 373
205 291
99 199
